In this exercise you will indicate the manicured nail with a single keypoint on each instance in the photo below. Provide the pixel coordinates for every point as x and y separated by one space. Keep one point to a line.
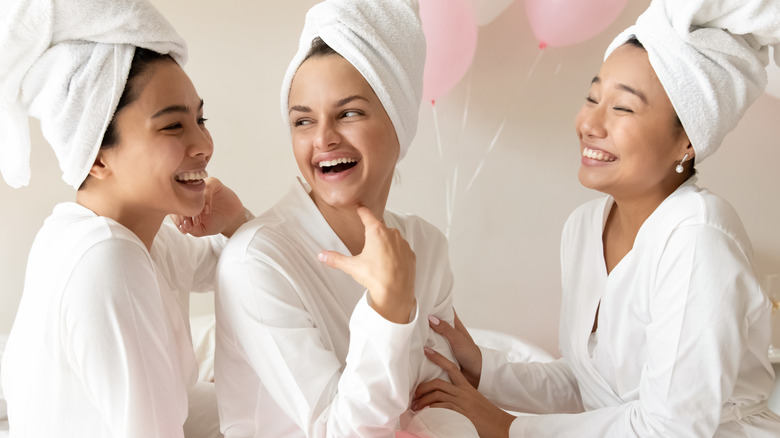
322 257
434 320
429 351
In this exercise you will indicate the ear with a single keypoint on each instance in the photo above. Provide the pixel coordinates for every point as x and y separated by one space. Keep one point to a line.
685 146
100 168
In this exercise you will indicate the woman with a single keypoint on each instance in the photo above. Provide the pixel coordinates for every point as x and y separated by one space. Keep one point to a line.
100 346
303 349
664 328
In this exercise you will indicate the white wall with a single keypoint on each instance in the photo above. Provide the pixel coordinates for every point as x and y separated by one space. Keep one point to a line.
504 232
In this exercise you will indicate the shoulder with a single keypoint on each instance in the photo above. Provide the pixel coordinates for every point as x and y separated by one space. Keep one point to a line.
586 216
416 230
694 207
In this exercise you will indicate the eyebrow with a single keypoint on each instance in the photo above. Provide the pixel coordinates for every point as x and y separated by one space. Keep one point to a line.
339 103
175 109
634 91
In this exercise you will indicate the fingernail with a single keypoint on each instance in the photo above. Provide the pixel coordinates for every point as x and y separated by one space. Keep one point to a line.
414 407
207 209
434 320
429 350
322 257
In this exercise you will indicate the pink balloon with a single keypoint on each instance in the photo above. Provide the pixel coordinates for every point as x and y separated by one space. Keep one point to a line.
451 37
557 23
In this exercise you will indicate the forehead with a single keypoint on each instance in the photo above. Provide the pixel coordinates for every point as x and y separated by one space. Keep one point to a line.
166 84
329 76
629 65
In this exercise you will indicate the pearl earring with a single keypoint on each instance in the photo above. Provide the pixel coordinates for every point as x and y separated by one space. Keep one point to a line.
679 168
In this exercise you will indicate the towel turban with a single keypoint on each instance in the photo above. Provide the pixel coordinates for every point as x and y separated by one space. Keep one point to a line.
66 64
384 41
710 57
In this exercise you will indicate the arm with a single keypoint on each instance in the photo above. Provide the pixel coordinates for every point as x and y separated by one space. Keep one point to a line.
696 338
118 339
281 342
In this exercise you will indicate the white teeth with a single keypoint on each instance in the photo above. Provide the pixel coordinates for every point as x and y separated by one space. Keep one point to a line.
192 176
597 155
332 163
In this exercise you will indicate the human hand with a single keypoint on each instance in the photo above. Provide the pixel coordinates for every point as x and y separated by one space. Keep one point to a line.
460 396
386 267
463 347
223 213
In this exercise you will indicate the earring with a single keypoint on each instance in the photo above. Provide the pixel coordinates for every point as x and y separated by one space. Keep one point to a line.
679 168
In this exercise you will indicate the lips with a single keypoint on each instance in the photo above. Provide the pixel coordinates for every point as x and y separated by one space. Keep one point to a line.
337 165
192 177
598 155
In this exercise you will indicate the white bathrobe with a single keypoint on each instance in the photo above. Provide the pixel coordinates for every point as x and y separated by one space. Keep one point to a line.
683 332
101 345
300 352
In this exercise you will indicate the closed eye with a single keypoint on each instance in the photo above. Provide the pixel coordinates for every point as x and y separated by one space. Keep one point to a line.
622 109
173 126
202 121
590 100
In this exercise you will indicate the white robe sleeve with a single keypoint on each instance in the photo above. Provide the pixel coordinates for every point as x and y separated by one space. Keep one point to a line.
115 333
538 388
189 261
286 351
697 336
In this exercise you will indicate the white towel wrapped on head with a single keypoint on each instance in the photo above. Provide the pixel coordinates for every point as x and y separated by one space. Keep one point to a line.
384 41
710 57
66 64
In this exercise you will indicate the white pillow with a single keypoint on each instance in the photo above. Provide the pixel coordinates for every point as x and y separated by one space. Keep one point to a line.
517 350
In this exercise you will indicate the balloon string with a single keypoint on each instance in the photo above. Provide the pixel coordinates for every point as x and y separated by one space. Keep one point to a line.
468 101
485 157
451 195
533 67
436 128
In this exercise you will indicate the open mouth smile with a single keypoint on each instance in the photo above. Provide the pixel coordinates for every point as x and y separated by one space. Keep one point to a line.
336 166
597 155
192 178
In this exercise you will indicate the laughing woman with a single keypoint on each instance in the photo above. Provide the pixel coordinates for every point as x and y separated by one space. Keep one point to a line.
302 348
100 346
664 329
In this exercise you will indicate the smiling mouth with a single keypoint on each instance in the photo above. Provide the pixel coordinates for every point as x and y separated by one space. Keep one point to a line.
192 177
598 155
337 165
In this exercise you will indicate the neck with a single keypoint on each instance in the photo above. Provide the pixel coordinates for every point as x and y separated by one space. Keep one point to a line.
632 211
144 225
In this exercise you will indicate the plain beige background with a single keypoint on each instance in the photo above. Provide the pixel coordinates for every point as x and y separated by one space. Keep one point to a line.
504 232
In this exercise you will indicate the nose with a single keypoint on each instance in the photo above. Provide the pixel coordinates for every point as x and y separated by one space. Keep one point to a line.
326 135
590 121
201 143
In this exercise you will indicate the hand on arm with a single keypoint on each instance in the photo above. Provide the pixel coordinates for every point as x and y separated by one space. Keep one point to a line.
223 213
460 396
463 347
386 267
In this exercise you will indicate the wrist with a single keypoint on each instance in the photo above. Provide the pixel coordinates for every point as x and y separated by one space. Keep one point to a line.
396 311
